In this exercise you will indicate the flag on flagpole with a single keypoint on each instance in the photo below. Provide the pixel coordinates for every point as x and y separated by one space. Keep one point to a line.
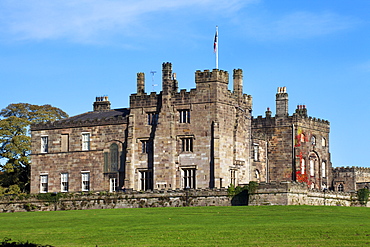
215 44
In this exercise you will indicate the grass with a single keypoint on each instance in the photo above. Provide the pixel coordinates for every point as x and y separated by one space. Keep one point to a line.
193 226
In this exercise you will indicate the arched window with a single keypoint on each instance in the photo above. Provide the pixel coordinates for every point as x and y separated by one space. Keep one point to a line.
257 174
111 159
313 140
113 151
340 187
302 137
323 169
312 168
323 141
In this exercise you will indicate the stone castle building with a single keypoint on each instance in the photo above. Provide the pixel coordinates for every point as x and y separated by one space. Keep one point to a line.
202 138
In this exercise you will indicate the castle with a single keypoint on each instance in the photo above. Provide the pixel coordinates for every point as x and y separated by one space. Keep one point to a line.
202 138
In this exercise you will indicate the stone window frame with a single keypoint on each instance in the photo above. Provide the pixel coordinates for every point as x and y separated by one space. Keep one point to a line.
323 169
189 177
256 152
64 182
85 141
186 143
340 187
323 142
313 140
64 142
184 115
152 118
145 145
85 180
44 144
145 179
303 166
233 176
44 183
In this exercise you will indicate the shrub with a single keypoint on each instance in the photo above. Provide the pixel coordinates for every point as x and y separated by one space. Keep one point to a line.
363 196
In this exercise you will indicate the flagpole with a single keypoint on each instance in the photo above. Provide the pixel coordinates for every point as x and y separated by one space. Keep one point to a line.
216 46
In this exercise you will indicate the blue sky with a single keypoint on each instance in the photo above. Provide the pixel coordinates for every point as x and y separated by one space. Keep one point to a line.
65 53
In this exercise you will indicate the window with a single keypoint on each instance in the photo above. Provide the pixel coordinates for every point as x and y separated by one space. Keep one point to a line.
313 140
184 116
303 166
44 144
65 143
152 118
85 181
189 178
85 141
340 187
233 177
323 142
43 183
323 169
113 150
64 182
112 184
257 173
187 144
255 152
145 146
312 168
146 180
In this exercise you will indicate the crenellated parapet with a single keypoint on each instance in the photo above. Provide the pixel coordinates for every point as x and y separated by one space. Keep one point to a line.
215 75
352 169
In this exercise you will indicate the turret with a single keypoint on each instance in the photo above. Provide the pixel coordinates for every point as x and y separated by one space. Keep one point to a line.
169 83
140 83
102 104
281 102
238 82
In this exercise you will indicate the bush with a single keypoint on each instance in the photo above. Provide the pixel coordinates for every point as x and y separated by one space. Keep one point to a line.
363 196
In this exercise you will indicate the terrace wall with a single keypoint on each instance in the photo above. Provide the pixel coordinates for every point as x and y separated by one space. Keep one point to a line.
284 193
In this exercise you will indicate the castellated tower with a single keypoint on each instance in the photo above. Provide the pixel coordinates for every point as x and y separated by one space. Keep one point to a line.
292 148
192 139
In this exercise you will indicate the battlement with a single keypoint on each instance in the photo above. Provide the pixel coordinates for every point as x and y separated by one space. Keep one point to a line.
212 76
351 169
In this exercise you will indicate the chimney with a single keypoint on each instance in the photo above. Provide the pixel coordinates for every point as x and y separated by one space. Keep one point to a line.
281 102
140 83
102 104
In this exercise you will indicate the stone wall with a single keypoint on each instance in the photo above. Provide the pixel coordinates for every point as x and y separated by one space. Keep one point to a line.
103 200
287 193
284 193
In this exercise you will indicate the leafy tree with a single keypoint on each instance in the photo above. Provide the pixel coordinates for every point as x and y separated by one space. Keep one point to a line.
15 141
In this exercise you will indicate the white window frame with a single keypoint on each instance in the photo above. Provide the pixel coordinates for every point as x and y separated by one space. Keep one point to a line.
189 178
85 181
44 144
303 166
64 182
86 139
44 183
113 184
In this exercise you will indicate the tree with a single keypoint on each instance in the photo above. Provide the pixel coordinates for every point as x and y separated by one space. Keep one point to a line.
15 141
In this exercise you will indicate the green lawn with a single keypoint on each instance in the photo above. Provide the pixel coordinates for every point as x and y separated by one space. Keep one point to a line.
193 226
